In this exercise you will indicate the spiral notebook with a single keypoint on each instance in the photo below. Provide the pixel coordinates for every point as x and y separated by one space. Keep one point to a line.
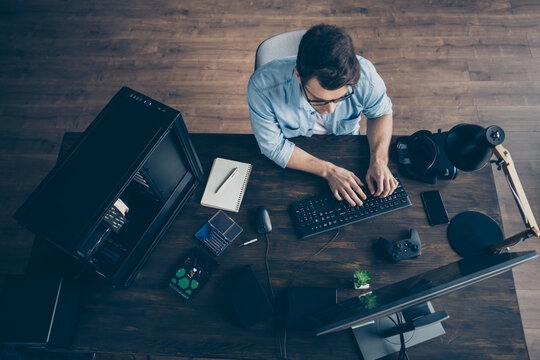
231 190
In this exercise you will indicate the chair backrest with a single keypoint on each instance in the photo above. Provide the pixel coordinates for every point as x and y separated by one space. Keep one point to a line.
278 46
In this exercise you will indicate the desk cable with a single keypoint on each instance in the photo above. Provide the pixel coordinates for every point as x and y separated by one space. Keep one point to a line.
272 296
301 267
403 348
268 268
283 347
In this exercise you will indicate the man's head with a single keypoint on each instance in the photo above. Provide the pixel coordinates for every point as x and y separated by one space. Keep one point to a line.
326 64
327 53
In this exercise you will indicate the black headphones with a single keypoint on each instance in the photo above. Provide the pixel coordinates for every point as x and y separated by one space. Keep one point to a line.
422 156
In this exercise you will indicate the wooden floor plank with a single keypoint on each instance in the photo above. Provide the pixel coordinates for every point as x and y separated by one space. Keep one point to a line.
529 303
533 39
526 276
533 343
499 69
513 46
524 6
514 118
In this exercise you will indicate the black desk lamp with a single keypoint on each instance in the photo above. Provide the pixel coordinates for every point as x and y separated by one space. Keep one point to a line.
469 147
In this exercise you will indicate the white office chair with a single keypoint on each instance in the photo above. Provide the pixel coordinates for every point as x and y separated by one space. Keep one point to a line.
278 46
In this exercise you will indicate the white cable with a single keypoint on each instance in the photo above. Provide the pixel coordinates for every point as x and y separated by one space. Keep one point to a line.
518 201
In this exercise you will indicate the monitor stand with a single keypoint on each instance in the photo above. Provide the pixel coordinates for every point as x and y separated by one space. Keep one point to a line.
376 340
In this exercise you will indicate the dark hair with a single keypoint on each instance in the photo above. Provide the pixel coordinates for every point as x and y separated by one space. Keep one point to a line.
327 53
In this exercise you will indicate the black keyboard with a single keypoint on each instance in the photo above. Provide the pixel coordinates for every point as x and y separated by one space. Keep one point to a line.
322 213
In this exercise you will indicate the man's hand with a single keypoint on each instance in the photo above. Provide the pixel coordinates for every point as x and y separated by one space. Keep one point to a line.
380 180
345 185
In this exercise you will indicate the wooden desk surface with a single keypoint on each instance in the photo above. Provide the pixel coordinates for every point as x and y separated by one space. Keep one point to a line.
149 318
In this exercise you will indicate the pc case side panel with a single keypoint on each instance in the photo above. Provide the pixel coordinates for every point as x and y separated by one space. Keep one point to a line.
181 131
172 207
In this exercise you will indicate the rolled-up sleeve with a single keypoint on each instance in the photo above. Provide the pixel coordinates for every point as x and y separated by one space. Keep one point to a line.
268 134
376 101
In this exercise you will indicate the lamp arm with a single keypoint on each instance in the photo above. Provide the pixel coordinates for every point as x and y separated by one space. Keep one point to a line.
507 164
511 241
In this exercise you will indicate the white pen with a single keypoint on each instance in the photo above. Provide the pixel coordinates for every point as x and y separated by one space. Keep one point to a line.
229 177
248 242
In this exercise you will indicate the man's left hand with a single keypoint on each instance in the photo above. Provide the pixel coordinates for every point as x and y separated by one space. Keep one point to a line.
380 180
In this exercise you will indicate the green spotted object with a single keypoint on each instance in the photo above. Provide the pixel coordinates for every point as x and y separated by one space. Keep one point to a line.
192 274
183 283
180 273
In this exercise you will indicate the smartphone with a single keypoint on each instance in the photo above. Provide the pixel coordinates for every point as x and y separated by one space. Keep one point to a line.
434 206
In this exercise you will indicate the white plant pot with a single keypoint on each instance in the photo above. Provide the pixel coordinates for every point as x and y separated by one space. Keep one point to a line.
366 286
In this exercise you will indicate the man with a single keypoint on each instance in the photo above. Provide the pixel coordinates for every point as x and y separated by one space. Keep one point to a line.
323 90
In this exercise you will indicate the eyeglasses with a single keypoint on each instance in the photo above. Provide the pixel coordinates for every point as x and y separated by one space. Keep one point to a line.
325 102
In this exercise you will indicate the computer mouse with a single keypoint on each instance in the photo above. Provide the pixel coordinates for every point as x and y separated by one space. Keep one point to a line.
264 225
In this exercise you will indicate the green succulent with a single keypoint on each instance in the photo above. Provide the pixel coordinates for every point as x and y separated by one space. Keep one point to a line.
361 278
369 300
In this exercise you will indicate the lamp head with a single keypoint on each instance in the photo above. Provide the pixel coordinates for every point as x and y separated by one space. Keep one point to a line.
468 146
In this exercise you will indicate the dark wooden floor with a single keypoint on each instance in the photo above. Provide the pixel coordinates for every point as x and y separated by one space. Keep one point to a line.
444 62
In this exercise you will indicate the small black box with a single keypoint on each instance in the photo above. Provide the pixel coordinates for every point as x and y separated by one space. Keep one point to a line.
38 310
247 298
304 301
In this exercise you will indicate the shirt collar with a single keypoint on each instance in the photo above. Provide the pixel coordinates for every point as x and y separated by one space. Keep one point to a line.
295 94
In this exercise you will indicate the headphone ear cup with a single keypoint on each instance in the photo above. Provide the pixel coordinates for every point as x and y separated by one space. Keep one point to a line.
422 152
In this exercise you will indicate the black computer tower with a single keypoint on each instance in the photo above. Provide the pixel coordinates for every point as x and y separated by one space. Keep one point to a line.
111 197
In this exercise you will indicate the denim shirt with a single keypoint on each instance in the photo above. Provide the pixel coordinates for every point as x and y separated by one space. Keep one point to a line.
279 111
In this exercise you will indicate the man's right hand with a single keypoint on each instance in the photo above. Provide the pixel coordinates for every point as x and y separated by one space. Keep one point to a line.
345 185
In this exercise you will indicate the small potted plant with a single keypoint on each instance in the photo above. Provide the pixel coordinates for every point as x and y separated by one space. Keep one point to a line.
361 279
369 300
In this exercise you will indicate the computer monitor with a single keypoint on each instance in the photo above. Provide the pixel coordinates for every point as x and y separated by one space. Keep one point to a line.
413 292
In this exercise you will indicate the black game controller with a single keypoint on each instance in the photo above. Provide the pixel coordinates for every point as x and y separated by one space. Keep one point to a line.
403 249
